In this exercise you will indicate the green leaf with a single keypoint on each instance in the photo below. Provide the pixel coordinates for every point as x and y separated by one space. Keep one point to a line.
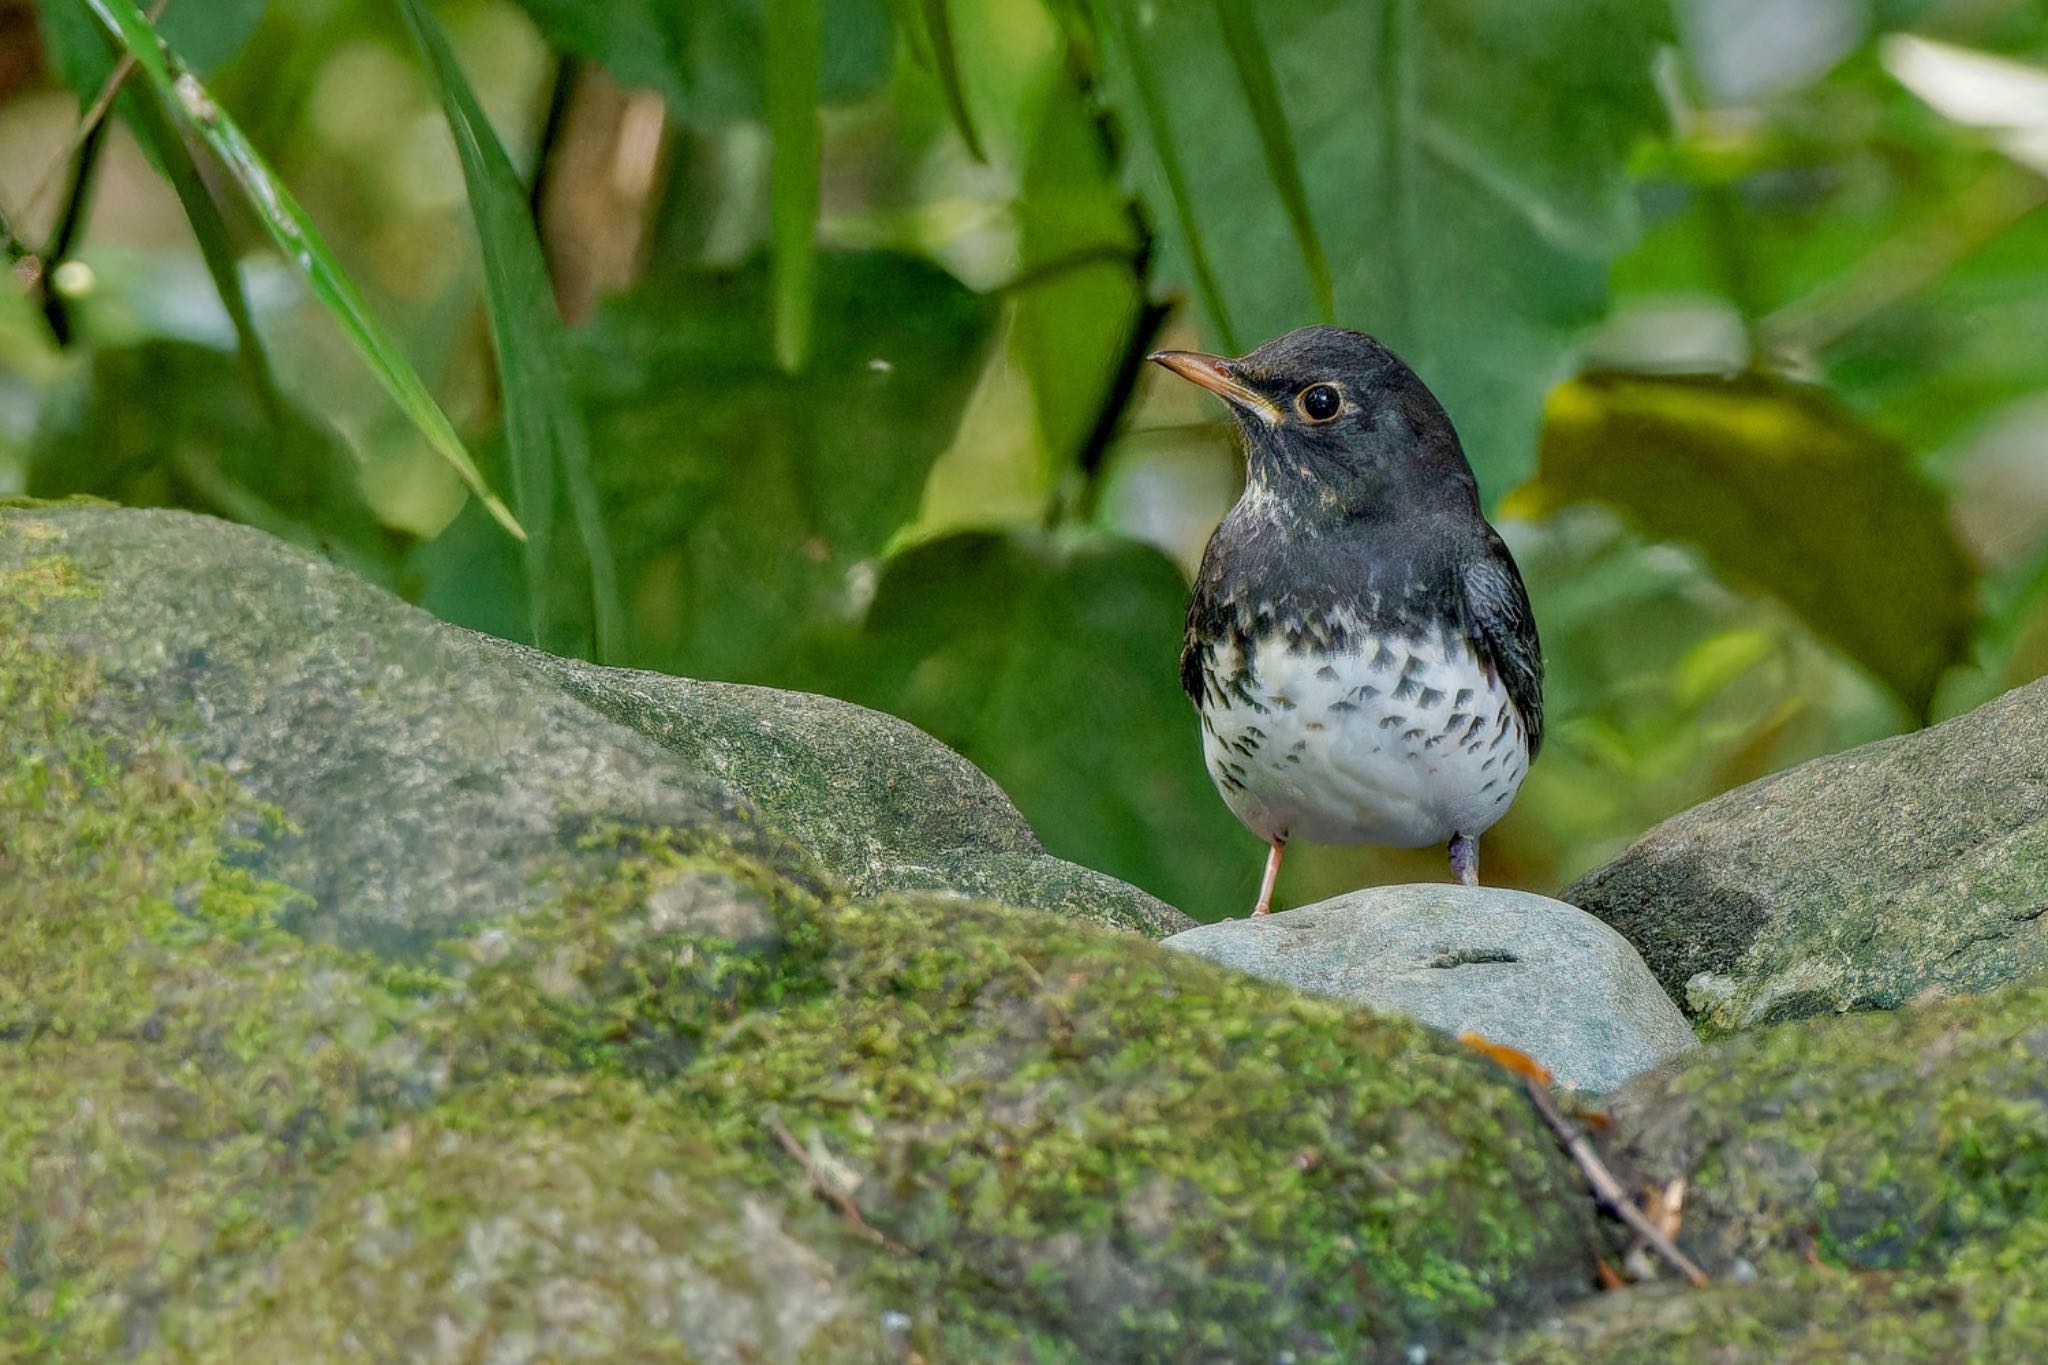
146 114
206 35
1262 94
790 84
1784 490
296 237
711 58
938 23
1149 95
167 424
1052 661
544 432
1464 167
759 524
1073 315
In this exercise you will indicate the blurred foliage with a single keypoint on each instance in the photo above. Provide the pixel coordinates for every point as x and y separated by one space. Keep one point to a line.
1781 489
1741 309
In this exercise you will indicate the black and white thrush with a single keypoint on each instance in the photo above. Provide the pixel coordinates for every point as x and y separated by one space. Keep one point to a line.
1359 645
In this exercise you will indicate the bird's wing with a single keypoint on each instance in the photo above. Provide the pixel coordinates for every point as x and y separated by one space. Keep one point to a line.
1497 608
1191 667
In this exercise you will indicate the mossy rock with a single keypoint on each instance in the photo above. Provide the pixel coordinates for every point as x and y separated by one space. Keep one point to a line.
1873 1188
1911 867
1798 1314
879 802
1878 1142
660 1090
423 770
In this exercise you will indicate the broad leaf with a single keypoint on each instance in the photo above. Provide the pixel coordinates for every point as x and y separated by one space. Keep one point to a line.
1053 662
749 504
1784 490
1464 169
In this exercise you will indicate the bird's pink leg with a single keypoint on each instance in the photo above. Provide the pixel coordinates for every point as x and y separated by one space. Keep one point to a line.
1265 905
1465 859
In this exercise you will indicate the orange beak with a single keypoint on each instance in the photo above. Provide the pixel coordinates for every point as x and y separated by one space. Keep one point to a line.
1219 376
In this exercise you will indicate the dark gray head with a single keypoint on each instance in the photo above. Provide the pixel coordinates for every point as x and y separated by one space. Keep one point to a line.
1337 428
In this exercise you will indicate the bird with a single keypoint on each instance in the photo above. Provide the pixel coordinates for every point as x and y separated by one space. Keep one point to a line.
1359 644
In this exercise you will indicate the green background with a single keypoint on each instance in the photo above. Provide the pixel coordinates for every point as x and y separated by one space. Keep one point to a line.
804 338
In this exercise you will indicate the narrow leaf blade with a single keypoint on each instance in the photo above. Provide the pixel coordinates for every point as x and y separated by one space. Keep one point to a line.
790 83
1115 21
544 428
151 122
939 30
1262 94
298 239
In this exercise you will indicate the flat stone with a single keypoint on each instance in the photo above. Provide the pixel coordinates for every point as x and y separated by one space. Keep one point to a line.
1912 868
1516 968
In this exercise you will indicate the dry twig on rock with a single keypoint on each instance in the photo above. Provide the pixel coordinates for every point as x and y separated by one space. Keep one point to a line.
836 1197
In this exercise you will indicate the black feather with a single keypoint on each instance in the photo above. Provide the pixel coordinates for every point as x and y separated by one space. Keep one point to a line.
1503 629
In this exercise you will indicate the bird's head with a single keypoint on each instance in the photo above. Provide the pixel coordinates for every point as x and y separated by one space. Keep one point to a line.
1335 426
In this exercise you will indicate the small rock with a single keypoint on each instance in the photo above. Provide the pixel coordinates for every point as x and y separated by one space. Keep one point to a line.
1516 968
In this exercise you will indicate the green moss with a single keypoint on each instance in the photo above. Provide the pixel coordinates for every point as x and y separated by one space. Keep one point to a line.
1879 1142
564 1218
1984 1307
1870 1188
1142 1155
145 1049
660 940
218 1137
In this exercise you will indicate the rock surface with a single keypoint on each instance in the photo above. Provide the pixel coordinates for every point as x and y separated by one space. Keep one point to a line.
1916 865
422 770
881 803
629 1078
1871 1188
1516 968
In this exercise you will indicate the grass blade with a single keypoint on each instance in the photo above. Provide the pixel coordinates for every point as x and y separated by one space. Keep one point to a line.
544 428
146 113
1116 17
789 82
297 238
1262 93
938 22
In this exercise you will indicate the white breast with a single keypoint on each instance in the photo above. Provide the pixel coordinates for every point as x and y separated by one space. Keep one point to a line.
1400 740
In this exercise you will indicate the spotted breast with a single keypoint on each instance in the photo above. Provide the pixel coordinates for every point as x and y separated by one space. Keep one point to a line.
1405 739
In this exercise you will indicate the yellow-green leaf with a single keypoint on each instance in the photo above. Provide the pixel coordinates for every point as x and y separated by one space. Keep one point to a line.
1783 489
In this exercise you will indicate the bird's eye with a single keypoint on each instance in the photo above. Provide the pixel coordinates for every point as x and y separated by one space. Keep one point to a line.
1319 402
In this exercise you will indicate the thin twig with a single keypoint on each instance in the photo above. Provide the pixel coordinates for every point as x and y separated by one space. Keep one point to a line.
1606 1189
836 1197
96 114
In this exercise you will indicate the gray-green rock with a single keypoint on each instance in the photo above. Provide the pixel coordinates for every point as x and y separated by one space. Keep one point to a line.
879 802
655 1089
1913 866
423 770
1516 968
1871 1188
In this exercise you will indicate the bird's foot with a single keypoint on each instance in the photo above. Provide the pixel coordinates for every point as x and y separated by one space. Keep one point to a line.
1465 859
